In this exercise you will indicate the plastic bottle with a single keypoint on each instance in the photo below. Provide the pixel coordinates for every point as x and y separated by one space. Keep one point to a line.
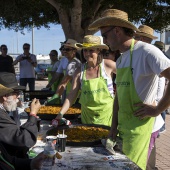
21 96
49 151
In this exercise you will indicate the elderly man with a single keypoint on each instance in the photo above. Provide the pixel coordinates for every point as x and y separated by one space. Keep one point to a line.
69 51
16 140
138 71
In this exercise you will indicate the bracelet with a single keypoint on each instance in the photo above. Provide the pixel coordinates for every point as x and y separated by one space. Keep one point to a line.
32 114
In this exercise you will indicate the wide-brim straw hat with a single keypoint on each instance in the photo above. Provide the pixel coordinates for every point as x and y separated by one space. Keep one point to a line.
70 43
4 90
92 41
9 80
146 31
112 17
159 44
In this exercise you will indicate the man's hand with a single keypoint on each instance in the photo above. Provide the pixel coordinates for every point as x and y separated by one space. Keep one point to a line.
35 106
146 110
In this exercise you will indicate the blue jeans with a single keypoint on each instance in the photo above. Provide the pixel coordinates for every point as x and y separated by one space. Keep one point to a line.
163 114
29 81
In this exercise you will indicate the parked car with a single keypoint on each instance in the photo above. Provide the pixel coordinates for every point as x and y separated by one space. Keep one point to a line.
41 71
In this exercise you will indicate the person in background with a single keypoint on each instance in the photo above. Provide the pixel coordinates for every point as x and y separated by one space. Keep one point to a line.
69 51
136 117
53 68
147 35
6 61
162 85
27 63
59 74
16 139
112 55
94 79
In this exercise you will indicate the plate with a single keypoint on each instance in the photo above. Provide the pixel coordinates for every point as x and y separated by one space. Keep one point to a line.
95 129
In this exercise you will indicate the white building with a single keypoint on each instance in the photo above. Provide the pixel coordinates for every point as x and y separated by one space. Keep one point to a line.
165 38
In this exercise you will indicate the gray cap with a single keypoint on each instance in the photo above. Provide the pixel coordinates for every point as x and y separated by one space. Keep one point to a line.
9 80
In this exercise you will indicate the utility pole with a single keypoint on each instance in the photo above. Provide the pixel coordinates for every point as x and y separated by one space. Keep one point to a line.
33 38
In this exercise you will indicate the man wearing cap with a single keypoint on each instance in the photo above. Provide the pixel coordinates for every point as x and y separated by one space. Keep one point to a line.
69 51
16 139
136 117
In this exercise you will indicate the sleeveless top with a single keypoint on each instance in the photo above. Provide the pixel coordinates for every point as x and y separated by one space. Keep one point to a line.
104 75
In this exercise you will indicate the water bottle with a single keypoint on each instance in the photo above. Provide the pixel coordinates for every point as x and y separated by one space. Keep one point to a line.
21 96
49 151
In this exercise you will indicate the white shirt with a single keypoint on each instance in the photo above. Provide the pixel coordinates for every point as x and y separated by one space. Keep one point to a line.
63 65
147 63
26 68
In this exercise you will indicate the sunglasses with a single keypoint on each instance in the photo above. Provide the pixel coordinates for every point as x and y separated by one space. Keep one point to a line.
67 49
26 48
4 49
104 35
52 55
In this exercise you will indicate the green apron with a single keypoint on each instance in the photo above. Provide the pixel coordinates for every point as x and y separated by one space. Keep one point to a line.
55 84
96 101
135 133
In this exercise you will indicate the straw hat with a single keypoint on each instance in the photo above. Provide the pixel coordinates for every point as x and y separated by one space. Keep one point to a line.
4 90
159 44
146 31
9 80
113 17
92 41
70 43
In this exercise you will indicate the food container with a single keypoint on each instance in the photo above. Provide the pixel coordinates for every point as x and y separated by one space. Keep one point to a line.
50 112
82 134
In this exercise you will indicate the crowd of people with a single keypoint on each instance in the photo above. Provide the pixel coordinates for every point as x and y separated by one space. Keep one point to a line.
120 79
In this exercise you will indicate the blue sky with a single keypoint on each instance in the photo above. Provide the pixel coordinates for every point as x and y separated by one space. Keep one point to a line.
44 40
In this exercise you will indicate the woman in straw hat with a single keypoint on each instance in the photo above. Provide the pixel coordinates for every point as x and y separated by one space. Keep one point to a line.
94 79
136 117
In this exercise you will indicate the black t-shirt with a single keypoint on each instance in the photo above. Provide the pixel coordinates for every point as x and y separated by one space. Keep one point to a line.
6 64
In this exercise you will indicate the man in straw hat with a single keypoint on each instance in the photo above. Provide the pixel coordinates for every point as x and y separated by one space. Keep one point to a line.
94 79
145 34
162 84
69 51
16 139
138 69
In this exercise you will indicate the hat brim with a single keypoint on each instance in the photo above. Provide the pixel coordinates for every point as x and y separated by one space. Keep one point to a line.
92 46
5 91
146 35
111 21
